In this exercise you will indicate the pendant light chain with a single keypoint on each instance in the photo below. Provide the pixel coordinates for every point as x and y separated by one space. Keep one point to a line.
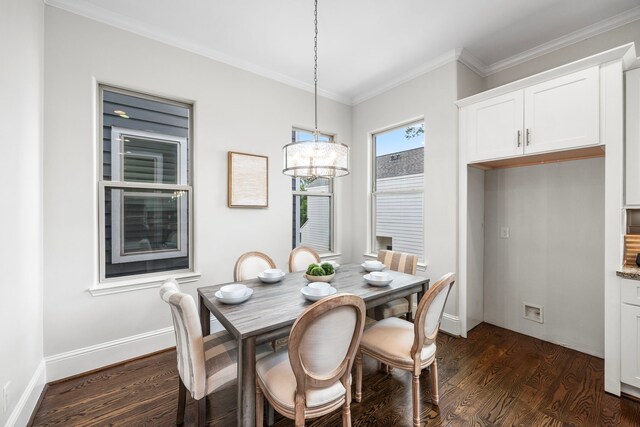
315 67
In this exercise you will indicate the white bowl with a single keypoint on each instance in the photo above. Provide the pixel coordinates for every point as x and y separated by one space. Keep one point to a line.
319 288
319 278
379 267
373 282
236 300
379 275
275 279
235 290
311 297
272 272
372 263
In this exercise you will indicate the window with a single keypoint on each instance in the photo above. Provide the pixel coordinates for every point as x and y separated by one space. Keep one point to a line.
398 190
145 186
312 206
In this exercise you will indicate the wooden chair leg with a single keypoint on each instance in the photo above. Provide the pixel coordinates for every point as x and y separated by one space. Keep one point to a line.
346 408
201 412
434 382
359 376
299 408
416 400
259 407
182 399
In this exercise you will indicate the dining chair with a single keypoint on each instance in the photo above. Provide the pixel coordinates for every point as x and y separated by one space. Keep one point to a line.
301 257
250 264
313 377
205 364
404 263
409 346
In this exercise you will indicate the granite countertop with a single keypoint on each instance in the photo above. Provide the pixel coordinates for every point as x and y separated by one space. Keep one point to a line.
629 272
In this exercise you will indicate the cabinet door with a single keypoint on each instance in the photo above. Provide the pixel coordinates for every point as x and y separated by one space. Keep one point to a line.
494 128
563 113
630 355
632 140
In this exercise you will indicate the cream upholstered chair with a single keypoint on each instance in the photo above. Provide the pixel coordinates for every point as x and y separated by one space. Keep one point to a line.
404 263
313 377
205 364
250 264
409 346
301 257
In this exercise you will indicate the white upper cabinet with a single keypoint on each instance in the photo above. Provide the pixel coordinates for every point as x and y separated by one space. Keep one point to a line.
495 127
558 114
563 113
632 140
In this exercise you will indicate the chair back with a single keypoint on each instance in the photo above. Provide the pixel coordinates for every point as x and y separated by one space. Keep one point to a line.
189 342
324 340
429 312
398 261
301 257
250 264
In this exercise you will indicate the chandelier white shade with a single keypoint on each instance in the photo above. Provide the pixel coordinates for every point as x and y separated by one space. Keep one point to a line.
321 159
316 159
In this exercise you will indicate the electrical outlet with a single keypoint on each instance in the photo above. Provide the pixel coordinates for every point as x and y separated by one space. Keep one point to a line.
5 397
504 232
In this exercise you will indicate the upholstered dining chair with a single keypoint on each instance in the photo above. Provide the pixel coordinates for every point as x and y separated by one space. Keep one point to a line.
404 263
205 364
409 346
301 257
313 377
250 264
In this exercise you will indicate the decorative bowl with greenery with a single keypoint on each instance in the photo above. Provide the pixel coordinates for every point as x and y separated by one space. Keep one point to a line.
320 272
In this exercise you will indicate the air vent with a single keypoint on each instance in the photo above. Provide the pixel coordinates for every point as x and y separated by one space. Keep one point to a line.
533 312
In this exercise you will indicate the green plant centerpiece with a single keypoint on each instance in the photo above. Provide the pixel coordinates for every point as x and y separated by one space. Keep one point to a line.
320 272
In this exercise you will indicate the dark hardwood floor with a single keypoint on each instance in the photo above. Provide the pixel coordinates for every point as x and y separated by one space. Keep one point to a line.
494 378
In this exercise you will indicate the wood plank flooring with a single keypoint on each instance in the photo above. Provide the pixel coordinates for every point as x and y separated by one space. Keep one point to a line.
496 377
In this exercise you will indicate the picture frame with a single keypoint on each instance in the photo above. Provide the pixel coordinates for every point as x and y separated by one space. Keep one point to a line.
248 180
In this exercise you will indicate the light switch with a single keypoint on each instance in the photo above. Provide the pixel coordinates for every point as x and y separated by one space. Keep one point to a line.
504 232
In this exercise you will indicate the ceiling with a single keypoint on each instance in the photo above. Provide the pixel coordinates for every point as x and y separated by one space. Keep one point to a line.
364 46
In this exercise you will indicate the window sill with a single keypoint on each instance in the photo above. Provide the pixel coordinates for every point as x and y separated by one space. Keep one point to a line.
330 255
129 285
421 266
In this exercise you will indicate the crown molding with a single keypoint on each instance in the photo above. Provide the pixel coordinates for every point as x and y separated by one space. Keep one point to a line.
564 41
472 62
416 72
122 22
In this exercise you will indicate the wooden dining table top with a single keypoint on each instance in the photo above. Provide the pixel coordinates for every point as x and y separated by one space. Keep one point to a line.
275 306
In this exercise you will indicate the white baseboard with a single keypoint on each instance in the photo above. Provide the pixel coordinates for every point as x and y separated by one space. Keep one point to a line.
86 359
29 399
97 356
451 325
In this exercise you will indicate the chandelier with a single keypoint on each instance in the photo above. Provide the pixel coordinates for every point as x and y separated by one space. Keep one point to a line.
315 158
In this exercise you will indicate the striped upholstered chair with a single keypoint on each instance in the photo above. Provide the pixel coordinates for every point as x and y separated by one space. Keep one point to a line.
205 364
404 263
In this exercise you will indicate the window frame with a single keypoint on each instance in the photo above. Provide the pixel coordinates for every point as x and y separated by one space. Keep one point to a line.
372 251
329 194
184 178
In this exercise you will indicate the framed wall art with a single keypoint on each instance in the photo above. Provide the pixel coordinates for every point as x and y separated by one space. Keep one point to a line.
248 180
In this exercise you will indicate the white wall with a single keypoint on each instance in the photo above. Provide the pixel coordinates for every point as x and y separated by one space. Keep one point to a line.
430 96
21 89
234 110
555 254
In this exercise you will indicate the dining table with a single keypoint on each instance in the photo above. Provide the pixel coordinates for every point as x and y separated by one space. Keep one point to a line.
272 309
